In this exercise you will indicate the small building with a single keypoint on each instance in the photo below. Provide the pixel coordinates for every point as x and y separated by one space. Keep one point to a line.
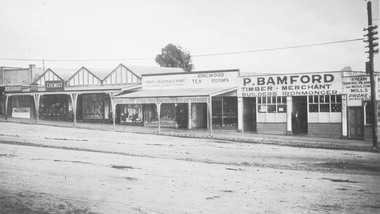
13 80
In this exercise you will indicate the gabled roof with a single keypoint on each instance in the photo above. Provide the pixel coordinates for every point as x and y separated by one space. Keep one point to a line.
65 74
37 73
86 70
101 73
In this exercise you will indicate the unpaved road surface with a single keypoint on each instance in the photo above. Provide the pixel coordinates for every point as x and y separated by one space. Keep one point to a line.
46 169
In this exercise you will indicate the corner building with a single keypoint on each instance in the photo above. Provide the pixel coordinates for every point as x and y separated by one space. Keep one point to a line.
321 104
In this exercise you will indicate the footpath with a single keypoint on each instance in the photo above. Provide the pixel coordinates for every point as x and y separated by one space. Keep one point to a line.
227 135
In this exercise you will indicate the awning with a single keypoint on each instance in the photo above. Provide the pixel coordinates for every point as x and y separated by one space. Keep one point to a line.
196 95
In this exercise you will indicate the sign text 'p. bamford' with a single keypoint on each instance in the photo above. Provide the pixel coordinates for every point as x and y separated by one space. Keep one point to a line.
290 85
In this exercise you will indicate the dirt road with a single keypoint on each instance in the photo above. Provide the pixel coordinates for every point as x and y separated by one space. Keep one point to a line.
65 170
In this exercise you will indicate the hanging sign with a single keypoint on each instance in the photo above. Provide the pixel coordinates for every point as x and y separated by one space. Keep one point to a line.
54 86
291 85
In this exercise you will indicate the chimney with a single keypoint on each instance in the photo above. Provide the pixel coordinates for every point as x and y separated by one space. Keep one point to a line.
32 71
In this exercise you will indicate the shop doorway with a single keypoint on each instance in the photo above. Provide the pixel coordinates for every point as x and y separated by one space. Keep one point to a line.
182 115
249 114
299 115
355 122
198 115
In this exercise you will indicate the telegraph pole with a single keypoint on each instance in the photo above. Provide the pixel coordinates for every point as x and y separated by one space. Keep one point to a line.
370 67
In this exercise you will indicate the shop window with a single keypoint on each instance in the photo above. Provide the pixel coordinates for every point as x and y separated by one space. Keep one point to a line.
224 111
20 106
336 103
325 103
54 107
131 114
168 112
272 104
313 104
368 111
93 106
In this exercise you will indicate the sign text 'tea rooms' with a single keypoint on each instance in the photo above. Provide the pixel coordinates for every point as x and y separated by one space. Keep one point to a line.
291 85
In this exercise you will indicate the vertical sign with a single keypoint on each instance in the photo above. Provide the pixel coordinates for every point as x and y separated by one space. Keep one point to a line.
357 88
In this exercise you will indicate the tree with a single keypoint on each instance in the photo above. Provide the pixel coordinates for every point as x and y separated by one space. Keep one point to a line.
173 56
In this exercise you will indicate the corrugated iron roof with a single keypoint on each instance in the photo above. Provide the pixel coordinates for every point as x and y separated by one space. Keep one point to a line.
140 70
101 73
65 74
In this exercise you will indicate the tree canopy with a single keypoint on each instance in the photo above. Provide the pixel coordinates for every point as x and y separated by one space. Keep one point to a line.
174 56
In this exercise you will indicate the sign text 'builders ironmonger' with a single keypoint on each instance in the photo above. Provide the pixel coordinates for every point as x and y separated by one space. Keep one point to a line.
290 85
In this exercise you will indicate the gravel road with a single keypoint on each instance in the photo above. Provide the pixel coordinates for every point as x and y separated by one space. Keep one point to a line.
45 169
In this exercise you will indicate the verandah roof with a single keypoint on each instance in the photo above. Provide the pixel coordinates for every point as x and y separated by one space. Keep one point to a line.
171 95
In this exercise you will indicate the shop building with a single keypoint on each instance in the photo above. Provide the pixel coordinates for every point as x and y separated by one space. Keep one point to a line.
323 104
72 95
15 80
203 99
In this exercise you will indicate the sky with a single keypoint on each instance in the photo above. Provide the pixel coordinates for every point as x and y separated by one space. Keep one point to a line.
133 32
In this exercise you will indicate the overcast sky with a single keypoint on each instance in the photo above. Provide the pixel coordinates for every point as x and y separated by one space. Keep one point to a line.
126 29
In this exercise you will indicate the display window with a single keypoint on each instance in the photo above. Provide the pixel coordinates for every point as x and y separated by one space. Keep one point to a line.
21 106
131 114
55 107
93 106
271 104
224 111
168 114
325 103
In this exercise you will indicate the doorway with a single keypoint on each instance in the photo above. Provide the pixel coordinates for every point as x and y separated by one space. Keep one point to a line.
299 115
249 114
182 115
355 122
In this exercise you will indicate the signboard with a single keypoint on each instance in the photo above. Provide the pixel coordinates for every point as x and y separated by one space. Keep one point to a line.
21 112
291 85
54 85
13 88
214 79
357 88
34 87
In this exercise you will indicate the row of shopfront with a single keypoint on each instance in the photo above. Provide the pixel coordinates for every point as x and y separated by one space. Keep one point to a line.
325 104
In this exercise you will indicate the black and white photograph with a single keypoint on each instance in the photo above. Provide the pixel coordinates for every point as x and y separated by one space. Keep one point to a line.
189 106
